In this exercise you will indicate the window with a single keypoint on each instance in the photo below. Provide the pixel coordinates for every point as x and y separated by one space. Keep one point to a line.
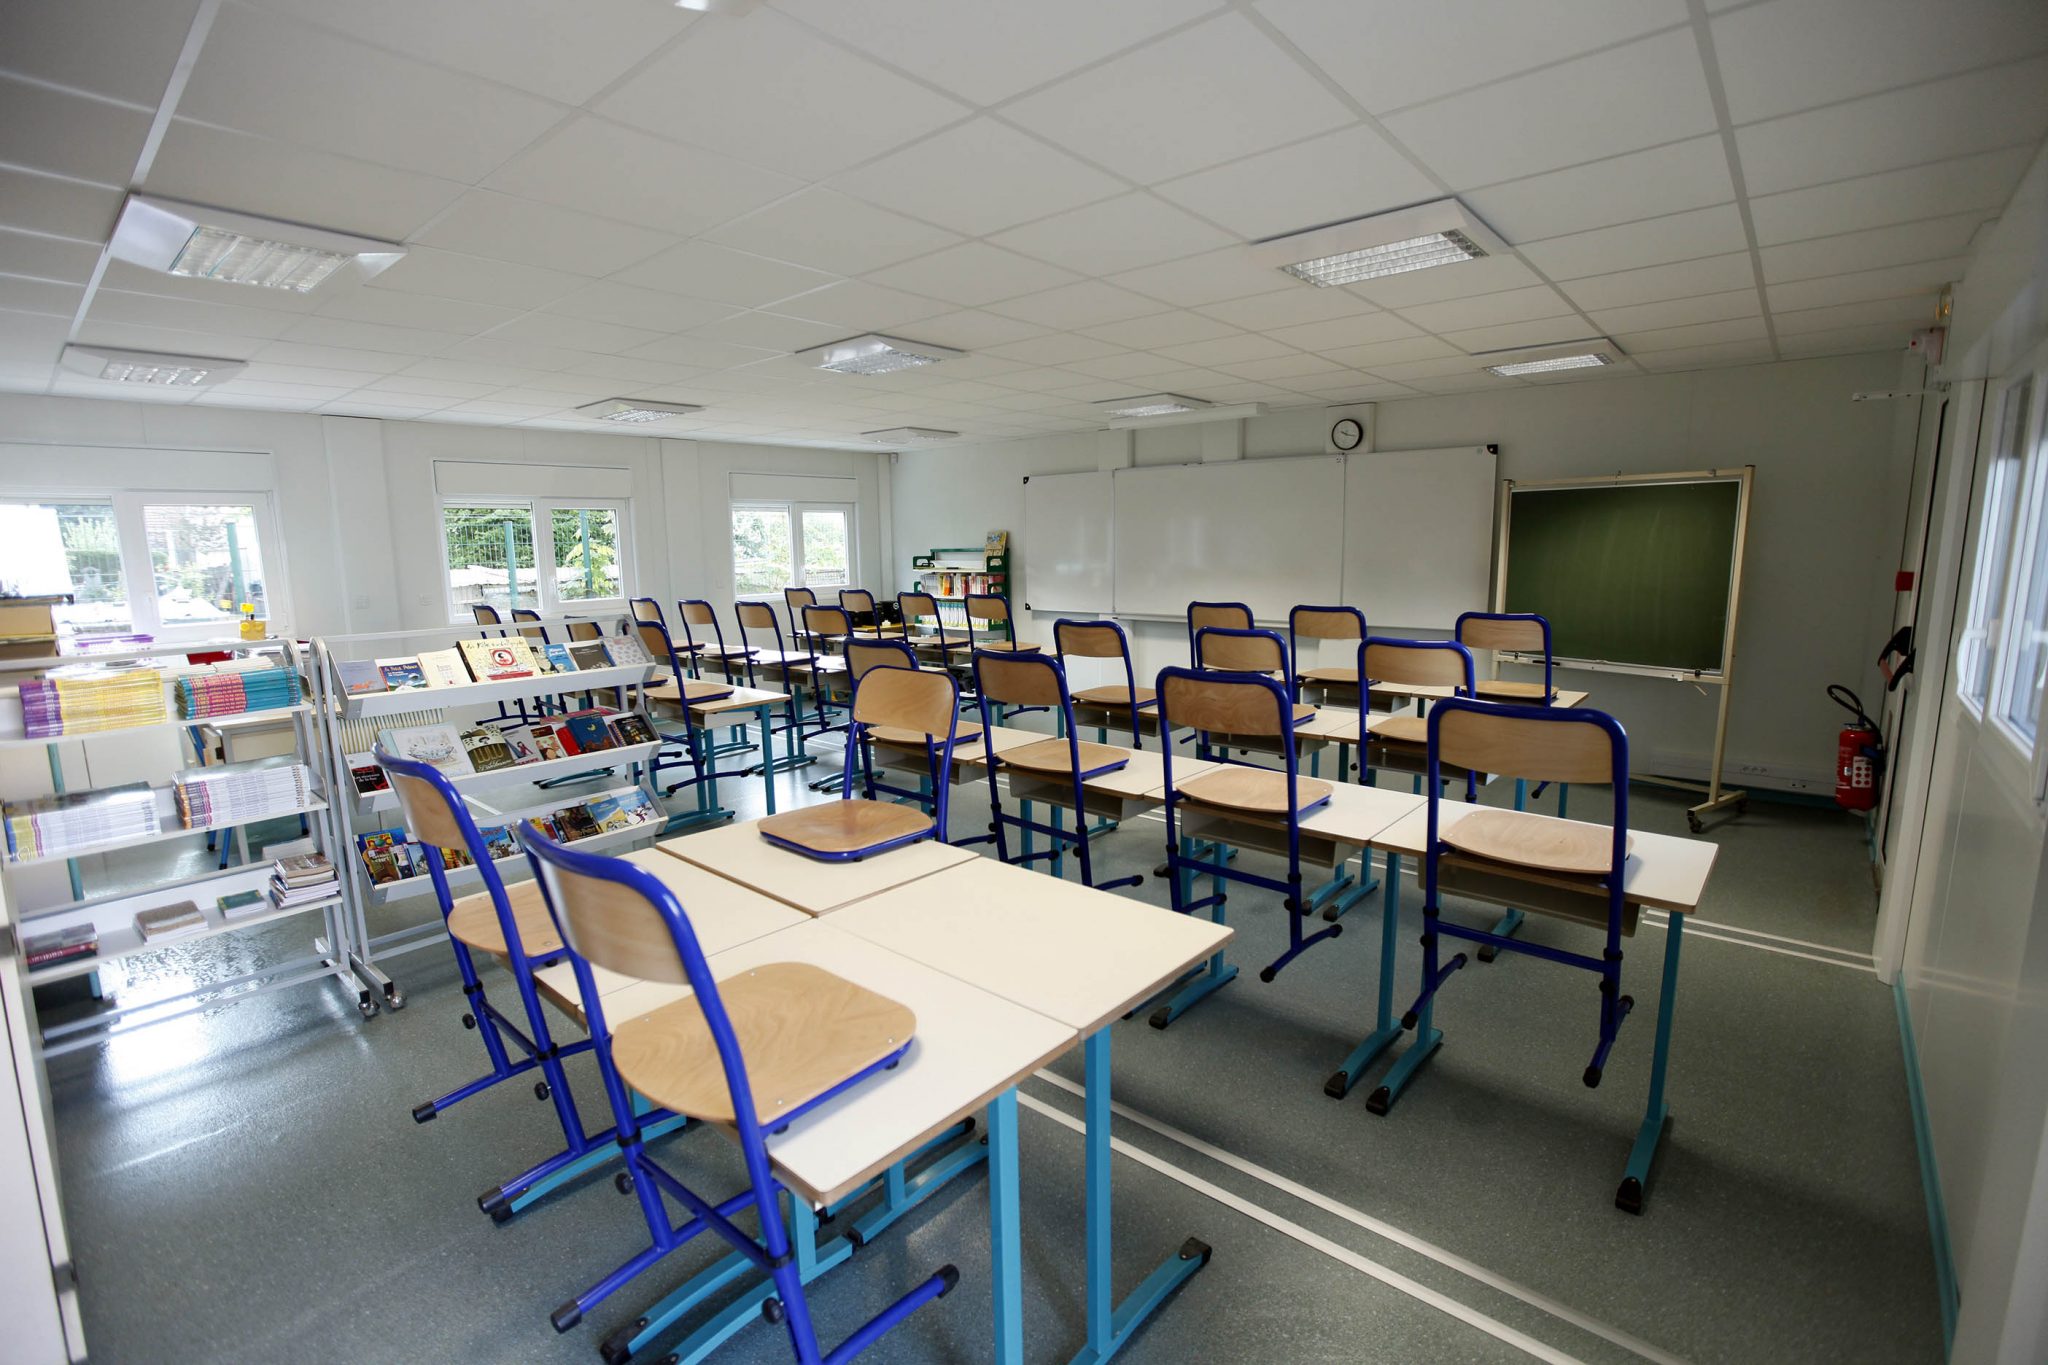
552 556
777 545
1988 599
141 563
2025 654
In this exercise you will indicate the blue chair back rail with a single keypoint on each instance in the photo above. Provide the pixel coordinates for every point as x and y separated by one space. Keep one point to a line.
1244 799
698 617
1520 632
1399 742
865 654
1261 653
915 606
692 1056
1333 681
1222 615
1055 769
1106 640
436 815
680 749
647 609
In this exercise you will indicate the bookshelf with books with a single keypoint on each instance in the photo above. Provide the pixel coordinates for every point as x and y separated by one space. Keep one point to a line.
950 575
521 727
127 896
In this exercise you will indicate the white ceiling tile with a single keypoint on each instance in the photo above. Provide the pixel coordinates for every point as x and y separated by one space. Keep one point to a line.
1207 94
1130 365
264 74
624 305
1459 381
1244 391
505 228
555 399
699 352
972 329
226 316
1641 317
1620 100
1162 330
1288 307
1707 357
1351 173
607 168
20 294
770 92
183 341
1054 349
1489 310
858 306
1847 341
413 310
1389 55
60 208
122 50
1338 333
1699 334
988 50
346 358
1210 278
478 372
567 54
973 273
253 388
1390 352
1363 389
1890 282
2004 107
1778 59
1914 310
830 231
703 271
424 270
1677 237
1088 303
403 388
980 177
1404 372
1662 180
1488 275
1520 335
1233 350
1870 248
1984 181
47 258
66 134
577 334
524 355
1650 284
1118 234
629 370
1284 369
771 331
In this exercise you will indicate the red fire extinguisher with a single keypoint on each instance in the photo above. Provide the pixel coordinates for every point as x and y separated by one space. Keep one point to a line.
1859 754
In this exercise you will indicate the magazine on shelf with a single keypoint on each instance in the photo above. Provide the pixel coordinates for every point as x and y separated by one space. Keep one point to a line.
626 650
633 728
402 675
589 654
304 869
589 731
575 822
444 668
438 746
241 905
547 741
622 810
369 777
61 945
558 658
498 659
488 750
384 855
167 922
519 739
360 677
498 842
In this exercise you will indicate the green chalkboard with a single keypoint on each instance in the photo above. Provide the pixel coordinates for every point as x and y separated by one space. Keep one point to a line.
1627 573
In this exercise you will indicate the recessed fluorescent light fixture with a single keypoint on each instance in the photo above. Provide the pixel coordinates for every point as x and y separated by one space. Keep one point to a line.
1585 361
903 436
1152 405
875 354
1440 233
150 367
637 410
1585 353
214 244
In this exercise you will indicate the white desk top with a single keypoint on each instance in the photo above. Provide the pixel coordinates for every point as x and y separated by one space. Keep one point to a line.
738 853
1001 737
1664 871
1409 691
1353 815
1079 956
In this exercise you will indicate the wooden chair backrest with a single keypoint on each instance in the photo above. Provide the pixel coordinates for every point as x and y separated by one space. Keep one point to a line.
755 616
827 621
796 599
1514 746
537 634
1088 641
1228 615
921 701
1320 623
1221 705
654 639
987 607
585 630
485 614
646 609
917 604
1479 633
1241 653
611 925
1416 667
856 599
697 613
1019 680
862 655
426 813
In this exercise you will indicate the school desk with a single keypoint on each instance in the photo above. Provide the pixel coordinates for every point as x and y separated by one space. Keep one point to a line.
1664 873
1081 957
703 717
1110 797
738 853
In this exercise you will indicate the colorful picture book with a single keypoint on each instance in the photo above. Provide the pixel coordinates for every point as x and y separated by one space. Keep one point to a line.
589 731
487 749
498 659
386 856
626 650
444 668
369 777
558 658
401 675
438 746
633 728
360 677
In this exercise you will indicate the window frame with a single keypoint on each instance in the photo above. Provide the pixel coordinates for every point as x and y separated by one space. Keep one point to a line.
795 510
540 511
1998 530
2030 527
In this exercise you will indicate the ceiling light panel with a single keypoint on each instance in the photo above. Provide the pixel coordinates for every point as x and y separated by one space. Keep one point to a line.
237 248
637 410
150 367
1151 405
1418 238
1584 361
903 436
875 354
1395 258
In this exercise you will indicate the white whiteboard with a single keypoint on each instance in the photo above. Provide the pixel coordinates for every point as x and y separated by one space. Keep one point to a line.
1269 533
1421 545
1065 549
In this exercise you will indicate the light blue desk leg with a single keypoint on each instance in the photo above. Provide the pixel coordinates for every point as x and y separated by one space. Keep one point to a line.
1564 789
1109 1326
1385 1029
1025 807
1656 1116
1059 846
1183 994
767 755
1512 920
1005 1230
1427 1040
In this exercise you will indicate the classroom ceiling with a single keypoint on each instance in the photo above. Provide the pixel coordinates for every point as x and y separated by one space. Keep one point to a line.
623 198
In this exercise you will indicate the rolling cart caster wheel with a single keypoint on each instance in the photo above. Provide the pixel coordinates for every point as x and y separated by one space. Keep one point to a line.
623 1182
395 999
368 1007
469 1021
541 1091
1338 1086
1266 974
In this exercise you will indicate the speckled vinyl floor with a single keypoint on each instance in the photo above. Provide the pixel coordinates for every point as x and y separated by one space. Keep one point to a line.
246 1183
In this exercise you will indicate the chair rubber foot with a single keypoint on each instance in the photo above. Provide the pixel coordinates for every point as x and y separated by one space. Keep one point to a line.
856 1239
1629 1198
617 1348
623 1182
540 1090
421 1113
1338 1086
1380 1101
469 1021
1488 953
567 1316
494 1203
772 1310
1267 974
1592 1078
948 1276
1409 1020
1195 1249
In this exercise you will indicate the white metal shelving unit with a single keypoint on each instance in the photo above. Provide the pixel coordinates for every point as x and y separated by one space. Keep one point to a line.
498 797
112 913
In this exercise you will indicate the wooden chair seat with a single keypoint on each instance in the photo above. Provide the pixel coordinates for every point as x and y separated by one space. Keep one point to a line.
692 689
473 922
846 827
801 1029
1007 647
1519 691
1053 756
1116 694
1254 791
1330 673
901 738
1535 841
1402 729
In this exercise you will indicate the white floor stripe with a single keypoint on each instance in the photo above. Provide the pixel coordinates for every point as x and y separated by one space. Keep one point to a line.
1378 1227
1443 1303
1857 956
1694 931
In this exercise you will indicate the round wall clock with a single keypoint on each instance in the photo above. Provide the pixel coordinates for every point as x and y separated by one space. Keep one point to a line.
1347 434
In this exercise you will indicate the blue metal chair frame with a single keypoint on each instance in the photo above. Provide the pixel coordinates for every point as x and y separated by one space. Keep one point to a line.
693 755
1463 690
1194 607
1056 833
739 743
584 1151
1009 632
1549 663
1294 636
947 648
792 727
871 608
773 1254
905 658
1137 708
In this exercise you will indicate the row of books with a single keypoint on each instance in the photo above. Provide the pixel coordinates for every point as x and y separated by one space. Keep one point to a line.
79 699
299 880
240 793
52 826
493 660
461 752
390 855
225 690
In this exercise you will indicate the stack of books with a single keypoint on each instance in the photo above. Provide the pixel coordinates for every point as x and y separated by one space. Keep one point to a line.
301 880
167 922
84 698
230 691
239 793
392 855
57 826
42 950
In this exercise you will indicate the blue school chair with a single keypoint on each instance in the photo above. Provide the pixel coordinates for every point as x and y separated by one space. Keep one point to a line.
1332 682
790 670
692 1058
1219 615
1106 640
1523 632
654 637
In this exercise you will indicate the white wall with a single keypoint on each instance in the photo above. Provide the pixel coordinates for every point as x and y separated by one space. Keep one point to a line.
1825 527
